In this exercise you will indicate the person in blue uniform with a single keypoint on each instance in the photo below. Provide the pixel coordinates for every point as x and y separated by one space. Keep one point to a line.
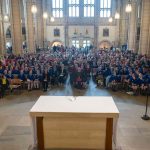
22 76
134 84
37 79
30 79
15 72
45 80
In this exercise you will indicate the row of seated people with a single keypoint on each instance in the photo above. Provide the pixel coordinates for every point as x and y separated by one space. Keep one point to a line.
31 79
79 75
108 68
137 82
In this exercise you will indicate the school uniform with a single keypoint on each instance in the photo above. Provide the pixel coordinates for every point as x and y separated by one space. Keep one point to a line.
9 76
15 72
36 81
45 80
30 79
22 77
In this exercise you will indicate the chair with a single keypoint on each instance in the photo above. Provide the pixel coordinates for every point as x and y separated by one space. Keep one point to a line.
15 84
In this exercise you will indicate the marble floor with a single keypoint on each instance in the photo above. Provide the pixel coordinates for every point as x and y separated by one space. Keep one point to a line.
15 126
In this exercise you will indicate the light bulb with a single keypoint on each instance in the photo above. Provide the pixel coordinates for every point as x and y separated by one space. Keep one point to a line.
6 18
110 19
34 9
128 8
45 15
117 15
52 19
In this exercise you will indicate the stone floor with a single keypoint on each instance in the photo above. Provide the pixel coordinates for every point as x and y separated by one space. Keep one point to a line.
15 126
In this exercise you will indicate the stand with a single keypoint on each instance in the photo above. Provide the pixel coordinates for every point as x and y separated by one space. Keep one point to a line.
145 116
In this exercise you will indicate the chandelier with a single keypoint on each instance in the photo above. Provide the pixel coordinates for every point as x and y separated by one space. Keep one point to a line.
128 8
34 9
110 19
117 15
45 15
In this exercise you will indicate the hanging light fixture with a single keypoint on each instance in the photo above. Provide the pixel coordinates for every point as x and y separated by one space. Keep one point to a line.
110 19
34 9
6 18
45 15
117 15
128 7
52 19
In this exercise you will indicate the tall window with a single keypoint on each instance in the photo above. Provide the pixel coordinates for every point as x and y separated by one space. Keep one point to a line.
86 43
75 43
88 8
105 8
73 8
57 8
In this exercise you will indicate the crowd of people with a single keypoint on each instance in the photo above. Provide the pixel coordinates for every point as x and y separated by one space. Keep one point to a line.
110 69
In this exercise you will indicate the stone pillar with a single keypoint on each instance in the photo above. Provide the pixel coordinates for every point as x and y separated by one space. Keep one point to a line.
132 28
2 35
66 15
16 26
39 24
123 24
148 45
117 41
145 27
30 34
45 9
66 36
96 23
96 31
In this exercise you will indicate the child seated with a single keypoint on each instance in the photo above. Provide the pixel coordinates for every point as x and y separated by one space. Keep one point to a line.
134 84
30 79
78 82
113 82
99 80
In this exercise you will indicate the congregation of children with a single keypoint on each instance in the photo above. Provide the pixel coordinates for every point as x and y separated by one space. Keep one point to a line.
116 70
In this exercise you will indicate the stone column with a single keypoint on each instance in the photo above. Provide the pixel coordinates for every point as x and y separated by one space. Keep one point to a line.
145 27
2 35
45 9
66 15
123 24
66 35
96 31
30 34
96 23
39 24
132 28
117 42
148 47
16 26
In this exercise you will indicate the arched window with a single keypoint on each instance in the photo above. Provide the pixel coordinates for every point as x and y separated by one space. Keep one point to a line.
86 43
73 8
57 8
105 8
88 8
75 43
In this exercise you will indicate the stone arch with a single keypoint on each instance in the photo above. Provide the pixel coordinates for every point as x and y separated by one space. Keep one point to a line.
56 43
105 44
